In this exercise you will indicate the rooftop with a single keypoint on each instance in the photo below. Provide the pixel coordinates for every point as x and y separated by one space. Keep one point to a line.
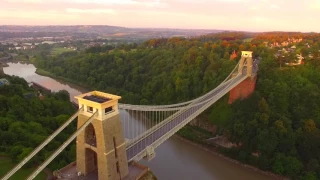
4 81
97 99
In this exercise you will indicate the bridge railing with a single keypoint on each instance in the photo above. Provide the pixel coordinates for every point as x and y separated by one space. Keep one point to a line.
194 113
169 119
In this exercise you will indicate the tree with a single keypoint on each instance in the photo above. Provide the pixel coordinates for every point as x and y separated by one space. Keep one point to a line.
277 166
292 166
309 126
310 176
263 106
63 95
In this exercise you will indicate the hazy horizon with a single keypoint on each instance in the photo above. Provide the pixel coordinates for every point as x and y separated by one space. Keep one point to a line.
233 15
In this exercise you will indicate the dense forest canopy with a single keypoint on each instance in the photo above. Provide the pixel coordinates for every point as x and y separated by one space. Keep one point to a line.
26 121
280 121
225 36
160 71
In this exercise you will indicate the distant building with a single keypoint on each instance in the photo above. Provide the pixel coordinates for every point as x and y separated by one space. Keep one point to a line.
233 55
310 55
27 44
266 43
48 42
29 95
4 81
299 61
27 47
41 97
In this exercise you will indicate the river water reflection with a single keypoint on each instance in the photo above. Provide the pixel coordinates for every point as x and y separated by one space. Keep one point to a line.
175 159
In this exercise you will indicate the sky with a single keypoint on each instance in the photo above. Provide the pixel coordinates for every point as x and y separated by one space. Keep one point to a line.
244 15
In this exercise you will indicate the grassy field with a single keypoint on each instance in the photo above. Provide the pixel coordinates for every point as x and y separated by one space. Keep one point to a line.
21 58
44 73
247 40
59 50
6 165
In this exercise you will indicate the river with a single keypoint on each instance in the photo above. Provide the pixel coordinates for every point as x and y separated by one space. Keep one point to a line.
175 159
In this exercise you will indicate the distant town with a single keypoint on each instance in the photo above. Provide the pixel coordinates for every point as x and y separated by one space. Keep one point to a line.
21 42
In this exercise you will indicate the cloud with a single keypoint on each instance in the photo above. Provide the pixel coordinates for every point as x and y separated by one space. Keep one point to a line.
274 6
259 19
156 13
91 11
23 15
233 1
104 1
149 3
315 5
24 1
192 1
254 8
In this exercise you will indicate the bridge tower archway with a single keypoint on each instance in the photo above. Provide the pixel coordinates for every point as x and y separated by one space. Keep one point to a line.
90 136
91 160
246 63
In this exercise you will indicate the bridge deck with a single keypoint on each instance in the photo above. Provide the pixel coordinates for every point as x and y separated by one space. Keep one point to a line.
148 140
162 131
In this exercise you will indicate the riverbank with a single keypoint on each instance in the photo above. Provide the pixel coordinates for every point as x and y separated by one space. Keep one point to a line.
215 152
43 72
3 65
148 176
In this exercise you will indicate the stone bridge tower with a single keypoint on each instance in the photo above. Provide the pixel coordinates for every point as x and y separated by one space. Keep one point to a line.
246 63
246 87
101 147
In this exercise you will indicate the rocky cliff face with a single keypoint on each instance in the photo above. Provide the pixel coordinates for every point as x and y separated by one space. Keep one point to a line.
203 124
243 90
148 176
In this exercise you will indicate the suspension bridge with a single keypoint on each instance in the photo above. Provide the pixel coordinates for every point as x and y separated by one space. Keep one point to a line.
110 135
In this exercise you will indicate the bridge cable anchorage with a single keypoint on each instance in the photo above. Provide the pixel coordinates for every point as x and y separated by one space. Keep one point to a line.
166 121
42 145
195 110
62 147
141 107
